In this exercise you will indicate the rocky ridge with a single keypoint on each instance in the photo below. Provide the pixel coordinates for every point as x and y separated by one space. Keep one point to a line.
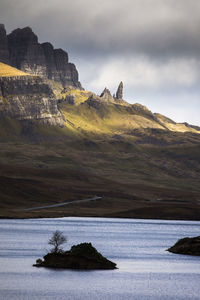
22 50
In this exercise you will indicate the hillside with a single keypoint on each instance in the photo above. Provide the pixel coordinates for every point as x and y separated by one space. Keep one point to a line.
97 115
61 145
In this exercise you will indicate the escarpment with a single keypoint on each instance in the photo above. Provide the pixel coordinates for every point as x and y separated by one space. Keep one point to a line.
29 98
22 50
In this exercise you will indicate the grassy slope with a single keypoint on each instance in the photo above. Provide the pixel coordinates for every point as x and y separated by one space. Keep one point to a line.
119 151
8 71
113 118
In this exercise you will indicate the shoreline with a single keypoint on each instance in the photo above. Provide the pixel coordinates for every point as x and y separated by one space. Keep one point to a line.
99 217
105 207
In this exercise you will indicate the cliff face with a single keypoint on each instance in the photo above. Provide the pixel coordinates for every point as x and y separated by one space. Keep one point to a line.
21 49
29 98
4 54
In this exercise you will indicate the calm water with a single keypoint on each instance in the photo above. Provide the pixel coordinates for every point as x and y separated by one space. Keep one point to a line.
146 270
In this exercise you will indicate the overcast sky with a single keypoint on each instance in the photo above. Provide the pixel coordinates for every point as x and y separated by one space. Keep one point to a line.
153 46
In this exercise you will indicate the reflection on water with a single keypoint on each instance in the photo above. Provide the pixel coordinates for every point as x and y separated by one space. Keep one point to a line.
146 270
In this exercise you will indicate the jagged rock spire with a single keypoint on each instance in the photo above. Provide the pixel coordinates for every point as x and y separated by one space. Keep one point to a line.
119 94
106 94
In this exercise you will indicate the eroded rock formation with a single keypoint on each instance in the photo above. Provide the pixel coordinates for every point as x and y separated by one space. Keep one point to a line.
119 94
106 95
21 49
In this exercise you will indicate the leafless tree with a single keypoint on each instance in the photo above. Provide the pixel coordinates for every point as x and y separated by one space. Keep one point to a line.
57 240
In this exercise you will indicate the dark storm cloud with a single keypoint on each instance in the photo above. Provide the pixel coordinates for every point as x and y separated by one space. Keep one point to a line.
152 45
152 27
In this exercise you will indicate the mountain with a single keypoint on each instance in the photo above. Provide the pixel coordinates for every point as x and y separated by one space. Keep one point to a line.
61 144
21 50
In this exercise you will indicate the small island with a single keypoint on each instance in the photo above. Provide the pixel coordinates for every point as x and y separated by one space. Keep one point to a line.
187 246
82 256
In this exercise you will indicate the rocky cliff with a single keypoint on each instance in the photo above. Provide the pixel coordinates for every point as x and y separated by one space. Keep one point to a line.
4 54
21 49
29 98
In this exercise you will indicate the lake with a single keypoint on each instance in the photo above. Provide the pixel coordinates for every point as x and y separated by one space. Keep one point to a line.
145 269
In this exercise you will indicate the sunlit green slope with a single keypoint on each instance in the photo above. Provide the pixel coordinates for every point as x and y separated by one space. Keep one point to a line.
8 71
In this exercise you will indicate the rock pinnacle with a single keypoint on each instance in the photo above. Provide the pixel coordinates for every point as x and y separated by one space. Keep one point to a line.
119 94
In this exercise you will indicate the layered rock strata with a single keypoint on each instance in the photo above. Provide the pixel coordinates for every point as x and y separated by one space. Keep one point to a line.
29 98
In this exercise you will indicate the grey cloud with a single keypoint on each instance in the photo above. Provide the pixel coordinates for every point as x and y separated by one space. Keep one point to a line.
153 27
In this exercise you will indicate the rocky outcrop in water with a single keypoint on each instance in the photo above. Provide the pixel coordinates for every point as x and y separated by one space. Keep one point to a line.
189 246
83 256
29 98
21 49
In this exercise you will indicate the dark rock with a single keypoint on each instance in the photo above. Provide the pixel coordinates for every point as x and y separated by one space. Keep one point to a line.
4 54
189 246
21 49
83 256
25 52
119 93
71 99
29 98
95 101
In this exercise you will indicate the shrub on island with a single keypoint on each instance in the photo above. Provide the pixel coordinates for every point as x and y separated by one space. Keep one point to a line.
82 256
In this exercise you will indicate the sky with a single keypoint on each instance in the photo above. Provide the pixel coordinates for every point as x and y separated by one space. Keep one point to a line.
153 46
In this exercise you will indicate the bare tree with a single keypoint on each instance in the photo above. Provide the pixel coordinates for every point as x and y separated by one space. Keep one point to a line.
57 240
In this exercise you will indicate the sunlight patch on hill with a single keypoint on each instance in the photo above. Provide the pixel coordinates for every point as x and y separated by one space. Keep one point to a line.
8 71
